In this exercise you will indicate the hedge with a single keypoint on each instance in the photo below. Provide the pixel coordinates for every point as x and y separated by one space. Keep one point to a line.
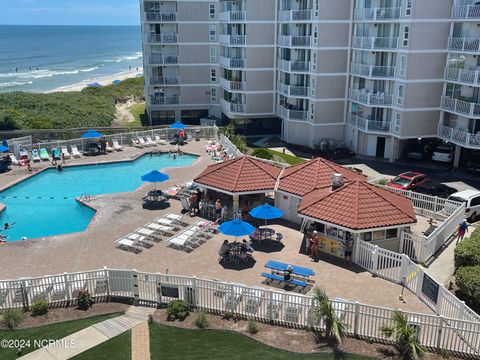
467 279
262 154
467 252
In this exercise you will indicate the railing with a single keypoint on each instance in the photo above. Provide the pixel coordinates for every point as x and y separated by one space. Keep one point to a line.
370 98
471 45
164 100
235 108
160 59
232 63
232 85
372 71
470 109
375 43
295 15
295 41
233 16
458 136
290 114
463 76
230 148
294 66
368 125
466 12
281 308
289 90
233 39
162 38
164 80
161 16
372 14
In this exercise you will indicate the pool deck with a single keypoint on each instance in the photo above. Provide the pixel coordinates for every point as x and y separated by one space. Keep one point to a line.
119 214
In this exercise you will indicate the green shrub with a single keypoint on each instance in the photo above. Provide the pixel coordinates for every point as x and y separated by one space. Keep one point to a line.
467 279
201 320
383 181
467 252
177 310
85 300
12 318
39 307
252 327
262 154
228 315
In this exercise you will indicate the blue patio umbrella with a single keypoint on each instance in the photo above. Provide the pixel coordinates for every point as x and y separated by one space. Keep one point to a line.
178 125
236 228
154 177
266 212
116 82
91 134
4 148
95 85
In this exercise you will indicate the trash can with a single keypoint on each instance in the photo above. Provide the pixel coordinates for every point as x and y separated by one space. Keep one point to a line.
197 135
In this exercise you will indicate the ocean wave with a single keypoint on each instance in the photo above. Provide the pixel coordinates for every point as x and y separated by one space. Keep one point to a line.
136 56
15 83
38 74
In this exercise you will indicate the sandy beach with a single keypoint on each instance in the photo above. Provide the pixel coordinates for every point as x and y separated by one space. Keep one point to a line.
104 80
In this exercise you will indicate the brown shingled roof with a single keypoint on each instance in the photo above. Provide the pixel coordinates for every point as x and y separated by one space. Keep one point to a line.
242 174
303 178
358 205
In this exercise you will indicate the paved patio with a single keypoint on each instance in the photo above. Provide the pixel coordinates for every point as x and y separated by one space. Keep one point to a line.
119 214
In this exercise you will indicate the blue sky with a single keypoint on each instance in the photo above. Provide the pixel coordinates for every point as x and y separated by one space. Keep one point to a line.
69 12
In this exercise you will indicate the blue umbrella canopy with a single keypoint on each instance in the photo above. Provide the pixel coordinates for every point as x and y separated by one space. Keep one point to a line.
116 82
266 211
155 176
4 148
178 125
95 85
91 134
236 227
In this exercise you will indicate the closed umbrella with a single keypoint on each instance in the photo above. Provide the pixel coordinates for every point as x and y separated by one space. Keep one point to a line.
266 212
236 228
155 177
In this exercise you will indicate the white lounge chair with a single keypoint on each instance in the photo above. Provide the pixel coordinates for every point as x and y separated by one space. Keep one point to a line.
117 146
149 141
160 141
167 222
65 152
160 229
136 143
75 152
150 234
128 245
108 147
14 159
177 219
140 240
142 142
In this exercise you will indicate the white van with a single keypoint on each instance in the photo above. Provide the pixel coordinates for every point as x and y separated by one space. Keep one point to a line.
443 153
471 198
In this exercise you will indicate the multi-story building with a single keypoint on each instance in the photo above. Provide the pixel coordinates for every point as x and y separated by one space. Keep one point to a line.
367 73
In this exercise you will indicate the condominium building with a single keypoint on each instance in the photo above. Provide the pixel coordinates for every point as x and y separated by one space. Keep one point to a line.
370 74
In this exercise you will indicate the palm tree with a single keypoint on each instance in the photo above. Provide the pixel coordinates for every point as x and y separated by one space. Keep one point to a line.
405 336
324 311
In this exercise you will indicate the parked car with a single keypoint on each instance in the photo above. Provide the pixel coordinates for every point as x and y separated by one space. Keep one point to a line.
440 190
416 152
408 180
471 198
443 153
473 163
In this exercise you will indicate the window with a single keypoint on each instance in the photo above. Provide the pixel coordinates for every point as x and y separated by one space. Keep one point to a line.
403 65
211 11
391 234
408 8
312 86
213 75
213 32
213 54
312 112
398 122
401 94
366 236
406 35
378 235
213 95
475 201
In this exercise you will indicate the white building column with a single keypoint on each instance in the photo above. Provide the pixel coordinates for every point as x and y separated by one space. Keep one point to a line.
236 203
456 157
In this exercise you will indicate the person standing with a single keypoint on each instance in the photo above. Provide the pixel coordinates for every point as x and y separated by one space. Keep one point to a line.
199 199
462 228
348 250
218 209
314 242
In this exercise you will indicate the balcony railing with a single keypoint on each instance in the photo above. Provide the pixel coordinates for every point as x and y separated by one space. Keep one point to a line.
232 63
462 107
295 41
366 97
368 125
159 59
232 107
470 45
290 114
161 16
290 90
373 14
232 39
233 85
233 16
164 100
375 43
295 15
468 77
164 80
466 12
294 66
459 136
372 71
162 38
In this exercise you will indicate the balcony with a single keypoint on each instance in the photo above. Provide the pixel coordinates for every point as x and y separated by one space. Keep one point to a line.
374 14
232 40
233 85
232 63
164 100
292 91
232 107
295 41
294 66
468 45
375 43
159 59
367 125
372 71
295 15
370 98
160 16
162 38
466 12
290 114
462 76
461 107
164 80
233 16
459 137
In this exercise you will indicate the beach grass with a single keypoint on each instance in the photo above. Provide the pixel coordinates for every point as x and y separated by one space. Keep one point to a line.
289 159
138 111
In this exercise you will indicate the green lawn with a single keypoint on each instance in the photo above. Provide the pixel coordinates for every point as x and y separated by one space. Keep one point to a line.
289 159
118 348
53 331
137 111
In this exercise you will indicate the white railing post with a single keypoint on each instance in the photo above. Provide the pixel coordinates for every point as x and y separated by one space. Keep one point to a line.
107 276
356 322
67 287
136 294
158 287
402 242
232 298
270 306
375 260
440 332
194 292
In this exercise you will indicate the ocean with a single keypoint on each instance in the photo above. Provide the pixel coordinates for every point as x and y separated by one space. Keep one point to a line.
65 55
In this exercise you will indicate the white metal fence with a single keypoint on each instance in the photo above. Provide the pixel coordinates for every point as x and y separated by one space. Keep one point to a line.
460 335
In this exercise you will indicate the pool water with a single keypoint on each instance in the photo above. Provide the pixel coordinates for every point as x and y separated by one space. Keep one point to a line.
44 205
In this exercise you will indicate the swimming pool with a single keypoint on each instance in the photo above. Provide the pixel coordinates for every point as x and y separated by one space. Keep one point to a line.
44 205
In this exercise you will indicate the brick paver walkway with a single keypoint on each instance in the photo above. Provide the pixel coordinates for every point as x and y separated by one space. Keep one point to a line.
141 342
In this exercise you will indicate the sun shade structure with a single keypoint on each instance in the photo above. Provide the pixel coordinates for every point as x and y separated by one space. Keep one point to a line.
116 82
155 176
4 148
266 212
236 228
178 125
91 134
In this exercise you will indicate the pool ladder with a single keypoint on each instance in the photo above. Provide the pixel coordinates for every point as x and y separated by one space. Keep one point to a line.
85 197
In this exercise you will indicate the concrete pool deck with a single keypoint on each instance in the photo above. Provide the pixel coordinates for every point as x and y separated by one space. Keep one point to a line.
119 214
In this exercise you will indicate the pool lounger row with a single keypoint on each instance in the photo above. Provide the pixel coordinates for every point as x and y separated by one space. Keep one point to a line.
191 237
141 142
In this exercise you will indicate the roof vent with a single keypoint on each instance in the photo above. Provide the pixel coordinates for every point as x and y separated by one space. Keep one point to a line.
337 181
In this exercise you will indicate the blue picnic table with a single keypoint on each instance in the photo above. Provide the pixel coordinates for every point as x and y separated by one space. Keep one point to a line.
296 270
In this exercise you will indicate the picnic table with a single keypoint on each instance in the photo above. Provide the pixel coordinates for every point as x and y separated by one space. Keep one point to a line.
296 270
266 233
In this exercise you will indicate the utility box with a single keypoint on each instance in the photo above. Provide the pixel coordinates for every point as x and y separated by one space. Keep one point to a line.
197 135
